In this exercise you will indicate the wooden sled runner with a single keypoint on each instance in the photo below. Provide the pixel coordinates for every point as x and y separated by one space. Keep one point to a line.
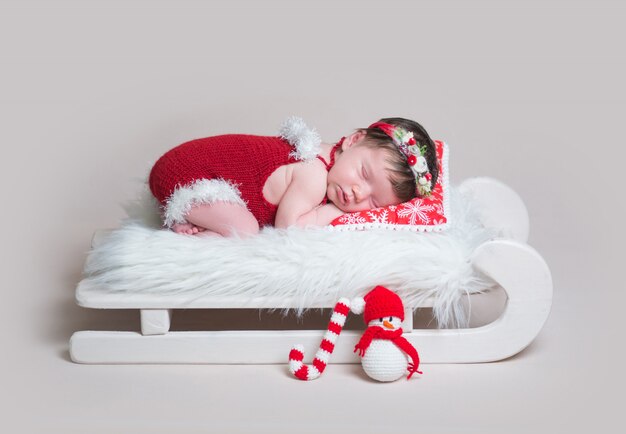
515 266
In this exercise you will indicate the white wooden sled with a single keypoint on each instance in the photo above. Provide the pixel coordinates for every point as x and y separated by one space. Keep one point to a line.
509 261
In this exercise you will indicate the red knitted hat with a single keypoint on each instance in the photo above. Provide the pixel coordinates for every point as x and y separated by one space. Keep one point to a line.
380 302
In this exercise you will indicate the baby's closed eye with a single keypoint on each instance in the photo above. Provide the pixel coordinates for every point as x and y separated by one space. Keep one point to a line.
364 172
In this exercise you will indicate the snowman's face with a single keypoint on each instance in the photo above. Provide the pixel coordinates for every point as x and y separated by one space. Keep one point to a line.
389 323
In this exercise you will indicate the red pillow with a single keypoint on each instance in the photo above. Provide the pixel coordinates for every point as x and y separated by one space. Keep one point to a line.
418 214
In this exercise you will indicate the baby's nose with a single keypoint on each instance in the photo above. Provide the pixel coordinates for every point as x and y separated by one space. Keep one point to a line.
360 193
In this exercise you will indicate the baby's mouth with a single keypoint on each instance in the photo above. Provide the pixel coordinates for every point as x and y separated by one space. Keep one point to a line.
344 196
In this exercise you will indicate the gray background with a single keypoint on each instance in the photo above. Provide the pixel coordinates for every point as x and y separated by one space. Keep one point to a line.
91 93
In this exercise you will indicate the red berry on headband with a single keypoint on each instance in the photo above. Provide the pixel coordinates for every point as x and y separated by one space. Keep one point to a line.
411 141
412 160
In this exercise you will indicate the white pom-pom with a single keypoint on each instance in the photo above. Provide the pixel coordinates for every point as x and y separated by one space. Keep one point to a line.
357 305
305 140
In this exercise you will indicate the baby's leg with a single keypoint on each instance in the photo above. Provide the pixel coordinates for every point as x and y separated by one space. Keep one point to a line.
223 218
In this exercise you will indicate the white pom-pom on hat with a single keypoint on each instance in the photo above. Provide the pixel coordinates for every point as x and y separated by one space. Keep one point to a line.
357 305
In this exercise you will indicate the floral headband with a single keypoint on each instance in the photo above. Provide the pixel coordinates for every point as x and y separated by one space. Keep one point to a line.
414 152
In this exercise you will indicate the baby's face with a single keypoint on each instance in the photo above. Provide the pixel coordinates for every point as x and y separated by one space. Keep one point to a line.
359 180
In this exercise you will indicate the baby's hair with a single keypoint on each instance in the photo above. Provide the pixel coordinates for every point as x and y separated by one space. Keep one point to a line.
402 178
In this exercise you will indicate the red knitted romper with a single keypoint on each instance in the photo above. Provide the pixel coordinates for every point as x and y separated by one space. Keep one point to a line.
245 160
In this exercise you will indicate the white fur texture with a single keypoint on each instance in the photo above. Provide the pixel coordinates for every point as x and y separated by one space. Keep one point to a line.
303 264
305 140
202 191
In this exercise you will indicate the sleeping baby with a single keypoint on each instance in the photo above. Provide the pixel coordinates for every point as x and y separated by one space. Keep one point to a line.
237 183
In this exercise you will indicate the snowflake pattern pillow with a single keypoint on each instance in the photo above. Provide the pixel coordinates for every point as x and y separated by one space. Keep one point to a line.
418 214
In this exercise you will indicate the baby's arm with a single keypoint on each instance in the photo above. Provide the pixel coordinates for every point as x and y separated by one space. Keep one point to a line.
320 216
305 191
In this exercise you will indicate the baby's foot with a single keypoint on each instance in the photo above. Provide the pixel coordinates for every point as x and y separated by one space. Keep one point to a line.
208 234
187 228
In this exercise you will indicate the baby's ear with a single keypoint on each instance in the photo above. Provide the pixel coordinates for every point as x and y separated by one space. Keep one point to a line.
352 140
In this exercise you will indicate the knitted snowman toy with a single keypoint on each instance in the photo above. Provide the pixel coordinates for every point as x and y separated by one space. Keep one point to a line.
385 354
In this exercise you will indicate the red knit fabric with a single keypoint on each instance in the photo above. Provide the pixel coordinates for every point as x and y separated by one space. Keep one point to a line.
374 332
296 356
319 365
335 328
410 350
327 345
246 160
381 302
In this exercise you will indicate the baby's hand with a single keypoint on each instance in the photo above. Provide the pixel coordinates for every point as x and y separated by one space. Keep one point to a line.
320 216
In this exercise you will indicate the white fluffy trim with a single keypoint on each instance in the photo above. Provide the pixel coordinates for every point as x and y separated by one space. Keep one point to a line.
202 191
306 140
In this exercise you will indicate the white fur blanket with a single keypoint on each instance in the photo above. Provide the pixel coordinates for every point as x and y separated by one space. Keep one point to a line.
296 263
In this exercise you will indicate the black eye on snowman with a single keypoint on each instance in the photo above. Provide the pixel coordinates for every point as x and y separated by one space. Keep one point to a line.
380 320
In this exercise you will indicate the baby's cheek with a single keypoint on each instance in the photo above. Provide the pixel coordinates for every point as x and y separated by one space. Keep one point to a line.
356 207
330 194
